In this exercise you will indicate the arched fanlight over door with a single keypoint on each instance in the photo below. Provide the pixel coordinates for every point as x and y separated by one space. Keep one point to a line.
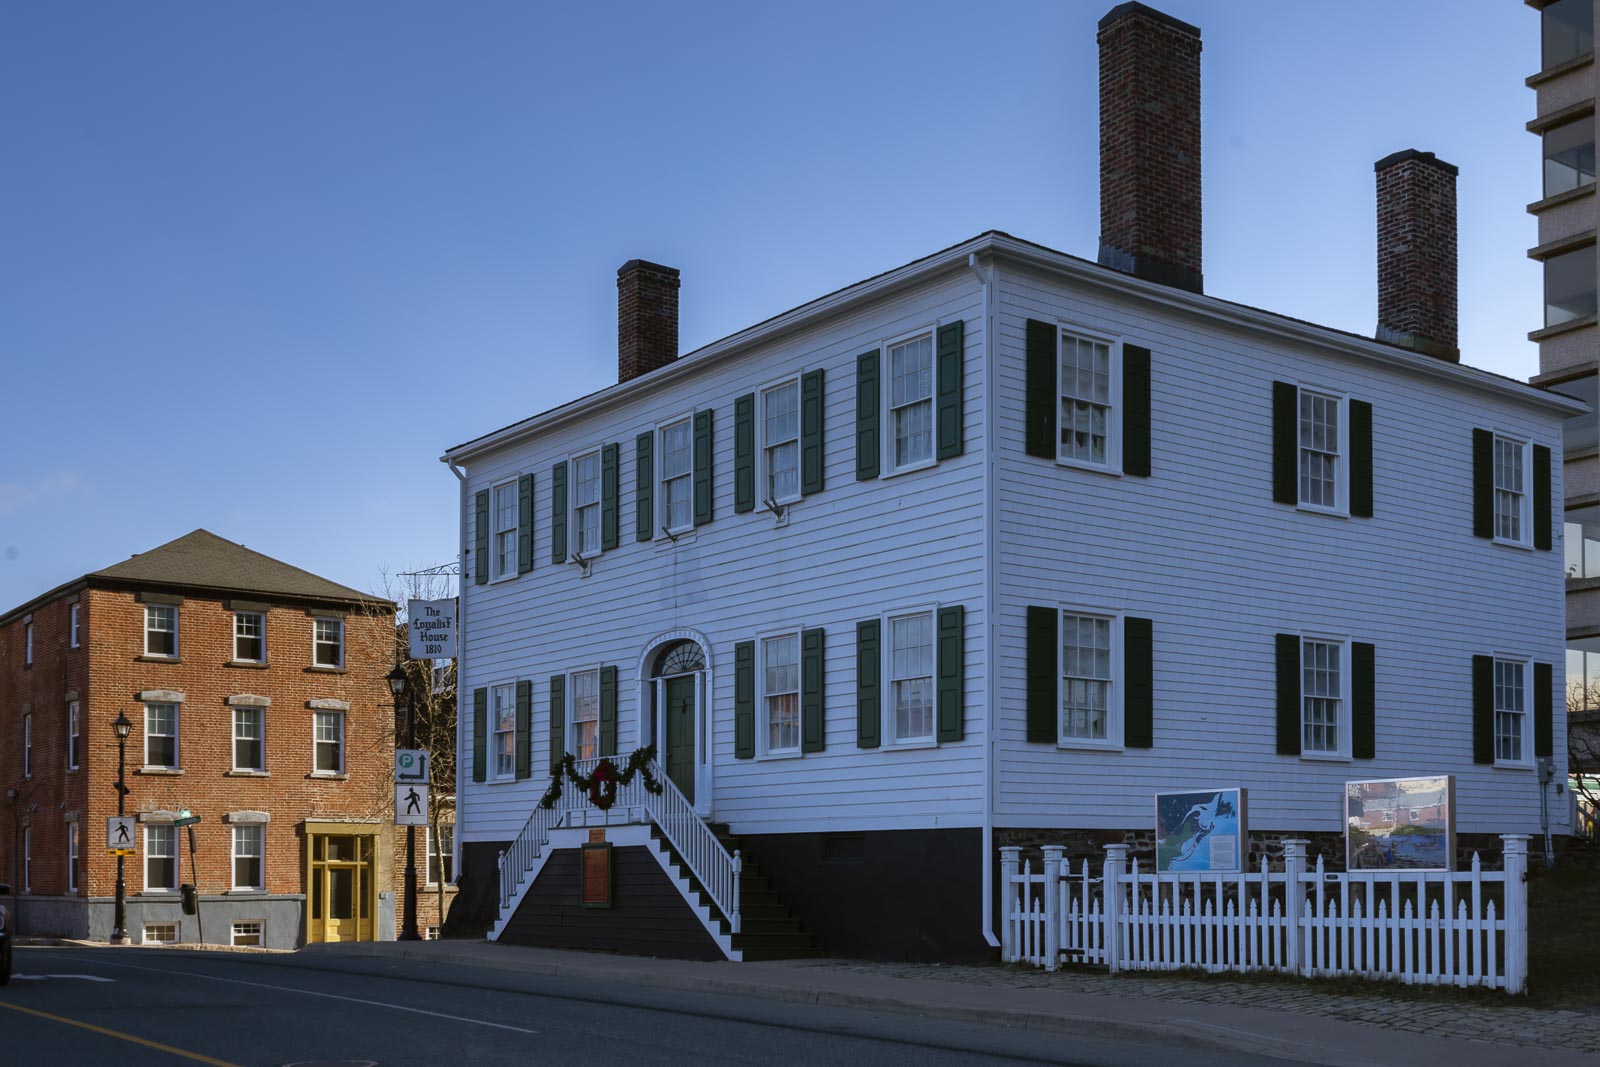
682 657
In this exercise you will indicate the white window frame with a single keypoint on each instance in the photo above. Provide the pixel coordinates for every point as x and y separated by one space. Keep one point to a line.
260 714
261 620
764 749
148 630
1525 511
1526 742
149 854
260 933
886 398
27 644
1113 463
764 446
1113 741
1342 725
573 505
339 717
74 740
144 934
316 642
1341 476
72 626
260 855
886 673
72 857
571 734
499 569
27 745
509 691
663 515
177 729
447 855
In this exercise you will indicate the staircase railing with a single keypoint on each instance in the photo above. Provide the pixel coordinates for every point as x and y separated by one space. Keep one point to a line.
517 860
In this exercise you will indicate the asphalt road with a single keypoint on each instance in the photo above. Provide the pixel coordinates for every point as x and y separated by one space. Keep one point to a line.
139 1007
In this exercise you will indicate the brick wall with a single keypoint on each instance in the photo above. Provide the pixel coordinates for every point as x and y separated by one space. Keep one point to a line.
647 318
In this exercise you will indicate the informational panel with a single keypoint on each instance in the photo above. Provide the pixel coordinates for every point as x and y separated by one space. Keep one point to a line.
410 805
1201 830
596 890
1401 824
121 835
431 626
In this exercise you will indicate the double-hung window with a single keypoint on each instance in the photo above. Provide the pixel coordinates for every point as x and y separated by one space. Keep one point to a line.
911 402
441 853
586 714
160 630
74 740
910 680
72 626
327 642
249 637
780 693
1087 386
677 475
1511 711
161 735
247 739
503 558
505 731
160 856
1323 708
247 850
586 503
1321 450
1511 499
780 442
328 740
1088 678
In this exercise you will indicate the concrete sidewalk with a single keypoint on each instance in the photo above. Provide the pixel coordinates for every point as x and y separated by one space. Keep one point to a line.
1424 1031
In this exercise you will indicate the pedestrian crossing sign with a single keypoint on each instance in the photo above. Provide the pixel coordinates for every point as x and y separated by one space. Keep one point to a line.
121 835
410 805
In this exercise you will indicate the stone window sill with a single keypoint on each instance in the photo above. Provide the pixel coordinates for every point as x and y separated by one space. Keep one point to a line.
158 659
246 774
317 668
161 772
328 776
247 664
1561 328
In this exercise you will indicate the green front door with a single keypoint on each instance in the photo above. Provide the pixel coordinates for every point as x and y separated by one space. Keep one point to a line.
680 733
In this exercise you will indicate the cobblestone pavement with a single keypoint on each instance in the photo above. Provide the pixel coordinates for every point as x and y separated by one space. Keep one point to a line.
1472 1018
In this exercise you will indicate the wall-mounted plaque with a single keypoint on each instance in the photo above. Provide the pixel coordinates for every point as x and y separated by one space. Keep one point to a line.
596 881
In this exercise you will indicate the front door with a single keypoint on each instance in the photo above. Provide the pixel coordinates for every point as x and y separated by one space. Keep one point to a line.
680 733
341 888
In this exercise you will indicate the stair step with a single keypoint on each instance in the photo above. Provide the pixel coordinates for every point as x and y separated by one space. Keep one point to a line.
757 955
763 926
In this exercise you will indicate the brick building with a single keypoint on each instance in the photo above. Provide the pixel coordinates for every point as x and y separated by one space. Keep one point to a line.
258 701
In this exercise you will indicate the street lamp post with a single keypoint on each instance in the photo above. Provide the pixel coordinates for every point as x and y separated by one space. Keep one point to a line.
119 921
408 925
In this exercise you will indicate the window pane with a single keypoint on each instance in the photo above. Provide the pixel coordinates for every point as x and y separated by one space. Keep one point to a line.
781 413
1581 538
911 371
1567 31
1086 682
586 714
677 455
328 642
1569 156
1086 399
1581 431
1583 674
1569 286
780 659
911 676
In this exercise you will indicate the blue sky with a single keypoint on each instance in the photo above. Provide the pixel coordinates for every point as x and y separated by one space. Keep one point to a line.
263 263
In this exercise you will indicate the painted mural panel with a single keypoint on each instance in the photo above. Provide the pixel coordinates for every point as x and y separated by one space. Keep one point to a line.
1400 823
1200 830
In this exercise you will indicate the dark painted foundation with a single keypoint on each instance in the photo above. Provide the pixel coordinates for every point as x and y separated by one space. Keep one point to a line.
477 900
883 894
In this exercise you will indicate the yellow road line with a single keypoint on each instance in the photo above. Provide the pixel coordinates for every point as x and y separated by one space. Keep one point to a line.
158 1046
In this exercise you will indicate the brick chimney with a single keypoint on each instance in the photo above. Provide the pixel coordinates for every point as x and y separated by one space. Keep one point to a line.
1150 146
647 318
1417 253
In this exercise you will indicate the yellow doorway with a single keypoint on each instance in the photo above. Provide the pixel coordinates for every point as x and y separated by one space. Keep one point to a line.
342 885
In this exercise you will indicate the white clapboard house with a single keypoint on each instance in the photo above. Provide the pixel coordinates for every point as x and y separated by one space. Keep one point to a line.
992 547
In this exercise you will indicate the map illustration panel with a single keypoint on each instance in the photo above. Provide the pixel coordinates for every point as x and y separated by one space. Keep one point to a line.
1201 830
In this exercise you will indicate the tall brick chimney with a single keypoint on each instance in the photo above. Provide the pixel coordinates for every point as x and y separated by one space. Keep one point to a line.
1150 146
647 318
1417 253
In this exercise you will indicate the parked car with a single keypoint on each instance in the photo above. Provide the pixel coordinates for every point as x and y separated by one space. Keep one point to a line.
5 937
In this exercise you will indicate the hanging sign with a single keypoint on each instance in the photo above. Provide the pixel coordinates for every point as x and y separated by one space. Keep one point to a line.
431 626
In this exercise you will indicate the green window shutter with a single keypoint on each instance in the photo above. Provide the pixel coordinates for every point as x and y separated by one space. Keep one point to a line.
952 673
644 484
1482 709
744 454
1361 459
608 711
1286 449
1288 694
950 350
867 447
525 524
558 720
703 511
811 454
744 700
480 725
869 684
558 513
1044 675
1363 701
1044 349
1138 668
480 541
1483 485
1541 497
524 729
1543 710
813 735
1136 410
608 497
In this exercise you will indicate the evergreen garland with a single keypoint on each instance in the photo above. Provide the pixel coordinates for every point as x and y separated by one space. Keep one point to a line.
601 783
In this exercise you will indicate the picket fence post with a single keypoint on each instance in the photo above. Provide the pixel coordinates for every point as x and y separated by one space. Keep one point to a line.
1516 868
1294 899
1053 919
1008 875
1111 903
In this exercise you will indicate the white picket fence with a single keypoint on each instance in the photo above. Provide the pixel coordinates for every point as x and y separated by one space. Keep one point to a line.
1464 928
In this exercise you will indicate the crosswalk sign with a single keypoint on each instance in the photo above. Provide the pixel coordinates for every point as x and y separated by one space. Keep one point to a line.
121 835
411 805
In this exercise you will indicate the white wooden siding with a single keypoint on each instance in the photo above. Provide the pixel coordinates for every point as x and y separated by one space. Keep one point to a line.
848 553
1201 548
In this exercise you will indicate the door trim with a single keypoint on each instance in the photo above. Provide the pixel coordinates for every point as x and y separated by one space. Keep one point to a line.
705 758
